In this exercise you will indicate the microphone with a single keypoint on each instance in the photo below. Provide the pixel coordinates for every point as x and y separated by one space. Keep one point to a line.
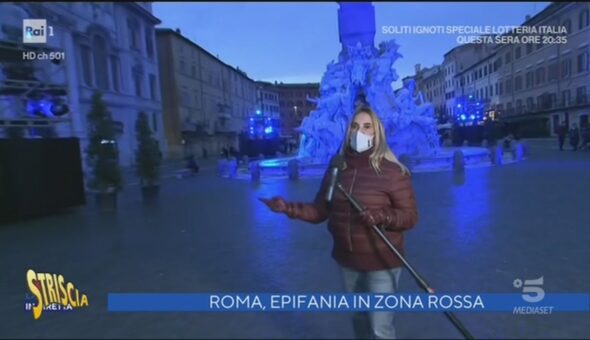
336 165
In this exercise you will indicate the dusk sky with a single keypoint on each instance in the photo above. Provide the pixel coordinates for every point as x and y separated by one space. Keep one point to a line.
293 42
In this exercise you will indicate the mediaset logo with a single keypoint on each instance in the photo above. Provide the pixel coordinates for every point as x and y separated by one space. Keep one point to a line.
532 293
52 293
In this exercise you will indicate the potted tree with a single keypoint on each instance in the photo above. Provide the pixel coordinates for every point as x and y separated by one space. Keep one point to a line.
103 154
147 158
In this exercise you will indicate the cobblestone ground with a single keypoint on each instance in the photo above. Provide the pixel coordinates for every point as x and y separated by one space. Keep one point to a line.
208 234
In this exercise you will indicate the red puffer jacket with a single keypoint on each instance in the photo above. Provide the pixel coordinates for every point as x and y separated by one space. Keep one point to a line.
356 245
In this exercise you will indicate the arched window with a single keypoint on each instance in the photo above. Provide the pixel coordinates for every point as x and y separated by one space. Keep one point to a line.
101 71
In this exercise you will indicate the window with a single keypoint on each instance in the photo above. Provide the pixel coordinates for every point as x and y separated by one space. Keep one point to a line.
519 105
197 99
137 81
517 52
566 97
508 86
540 75
133 30
101 73
149 45
583 61
540 100
529 79
86 58
194 71
485 70
518 83
583 19
552 73
181 65
153 88
116 73
530 103
568 26
551 99
185 98
508 58
529 48
501 88
566 68
581 97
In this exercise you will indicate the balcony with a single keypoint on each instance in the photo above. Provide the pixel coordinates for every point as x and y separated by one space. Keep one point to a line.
548 106
230 125
197 127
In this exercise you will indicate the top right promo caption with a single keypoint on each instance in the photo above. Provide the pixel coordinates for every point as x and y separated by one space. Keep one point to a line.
489 34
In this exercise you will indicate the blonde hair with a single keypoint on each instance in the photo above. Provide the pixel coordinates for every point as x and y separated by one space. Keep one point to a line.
380 147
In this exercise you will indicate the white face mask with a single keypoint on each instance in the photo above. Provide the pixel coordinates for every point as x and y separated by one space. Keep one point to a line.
361 142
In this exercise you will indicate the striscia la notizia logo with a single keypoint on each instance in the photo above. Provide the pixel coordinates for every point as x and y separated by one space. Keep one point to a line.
52 293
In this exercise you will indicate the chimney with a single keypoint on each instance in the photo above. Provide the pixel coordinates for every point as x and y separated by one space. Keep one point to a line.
417 68
527 18
178 30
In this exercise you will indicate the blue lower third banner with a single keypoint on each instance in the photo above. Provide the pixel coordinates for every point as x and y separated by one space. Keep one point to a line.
252 302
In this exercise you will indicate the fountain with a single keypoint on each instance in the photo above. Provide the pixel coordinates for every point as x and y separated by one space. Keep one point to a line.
365 73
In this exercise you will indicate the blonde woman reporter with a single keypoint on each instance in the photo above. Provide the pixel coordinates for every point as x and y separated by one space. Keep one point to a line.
376 178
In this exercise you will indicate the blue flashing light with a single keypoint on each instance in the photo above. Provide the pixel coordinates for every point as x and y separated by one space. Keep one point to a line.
258 112
268 130
472 117
463 117
459 105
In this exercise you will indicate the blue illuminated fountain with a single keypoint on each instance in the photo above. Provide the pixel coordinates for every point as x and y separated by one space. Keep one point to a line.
365 73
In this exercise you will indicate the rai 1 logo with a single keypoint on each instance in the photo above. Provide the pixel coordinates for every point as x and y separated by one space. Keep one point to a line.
51 293
35 31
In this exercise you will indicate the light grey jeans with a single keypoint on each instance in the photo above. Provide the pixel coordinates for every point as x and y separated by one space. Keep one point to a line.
372 325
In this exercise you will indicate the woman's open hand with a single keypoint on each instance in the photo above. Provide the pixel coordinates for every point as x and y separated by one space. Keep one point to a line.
276 204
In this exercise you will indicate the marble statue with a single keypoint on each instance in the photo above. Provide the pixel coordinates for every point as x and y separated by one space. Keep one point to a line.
365 71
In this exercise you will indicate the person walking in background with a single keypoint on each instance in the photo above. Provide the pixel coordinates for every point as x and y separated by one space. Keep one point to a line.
585 136
574 135
561 132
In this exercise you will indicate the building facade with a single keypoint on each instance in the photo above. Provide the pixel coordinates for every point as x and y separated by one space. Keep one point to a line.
267 100
207 102
294 106
430 81
532 87
109 48
545 84
455 62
